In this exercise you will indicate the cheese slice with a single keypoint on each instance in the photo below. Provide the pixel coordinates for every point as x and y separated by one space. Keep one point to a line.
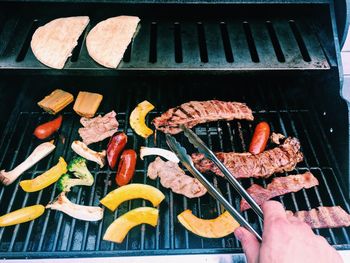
108 40
53 43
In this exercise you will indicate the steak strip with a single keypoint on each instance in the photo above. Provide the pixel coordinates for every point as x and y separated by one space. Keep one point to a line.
279 186
324 217
194 112
245 165
173 177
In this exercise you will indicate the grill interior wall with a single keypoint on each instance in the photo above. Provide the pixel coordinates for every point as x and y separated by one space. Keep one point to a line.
282 101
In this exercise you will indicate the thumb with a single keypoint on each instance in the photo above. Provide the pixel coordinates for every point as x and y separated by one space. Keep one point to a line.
250 244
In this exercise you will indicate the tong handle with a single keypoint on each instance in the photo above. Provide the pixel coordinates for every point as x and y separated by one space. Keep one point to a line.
215 193
238 187
187 162
201 146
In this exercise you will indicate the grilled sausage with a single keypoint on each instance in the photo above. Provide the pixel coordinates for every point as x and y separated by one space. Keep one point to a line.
126 167
260 138
115 147
47 129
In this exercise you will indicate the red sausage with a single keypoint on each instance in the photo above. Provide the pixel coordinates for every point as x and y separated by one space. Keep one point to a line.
260 138
47 129
126 167
115 147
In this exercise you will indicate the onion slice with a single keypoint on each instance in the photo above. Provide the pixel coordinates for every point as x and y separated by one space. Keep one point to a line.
170 156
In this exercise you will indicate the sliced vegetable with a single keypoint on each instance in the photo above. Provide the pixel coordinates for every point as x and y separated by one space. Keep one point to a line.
82 212
78 167
40 152
170 156
115 147
260 138
132 191
126 167
84 151
56 101
87 103
22 215
44 180
137 119
218 227
118 230
47 129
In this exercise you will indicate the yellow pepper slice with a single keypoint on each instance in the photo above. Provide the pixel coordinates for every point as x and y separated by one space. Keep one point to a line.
45 179
218 227
22 215
118 230
137 119
132 191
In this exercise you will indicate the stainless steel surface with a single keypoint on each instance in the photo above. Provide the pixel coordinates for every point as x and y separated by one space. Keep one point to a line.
187 162
215 258
202 148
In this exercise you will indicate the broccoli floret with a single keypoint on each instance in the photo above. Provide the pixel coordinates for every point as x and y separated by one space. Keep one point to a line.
78 167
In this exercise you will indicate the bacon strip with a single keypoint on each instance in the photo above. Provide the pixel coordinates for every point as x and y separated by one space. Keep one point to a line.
279 186
244 165
324 217
194 112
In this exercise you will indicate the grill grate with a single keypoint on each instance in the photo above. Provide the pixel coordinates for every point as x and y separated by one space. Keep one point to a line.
57 235
223 44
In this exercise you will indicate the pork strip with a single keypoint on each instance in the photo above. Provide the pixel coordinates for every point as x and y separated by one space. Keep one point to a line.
324 217
173 177
194 112
245 165
98 128
279 186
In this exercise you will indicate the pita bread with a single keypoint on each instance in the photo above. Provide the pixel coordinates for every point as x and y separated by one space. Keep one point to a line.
54 42
108 40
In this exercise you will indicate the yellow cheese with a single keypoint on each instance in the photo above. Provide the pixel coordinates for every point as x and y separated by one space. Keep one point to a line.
87 103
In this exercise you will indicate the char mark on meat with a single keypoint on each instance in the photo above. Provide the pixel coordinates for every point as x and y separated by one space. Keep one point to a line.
324 217
283 158
279 186
195 112
173 177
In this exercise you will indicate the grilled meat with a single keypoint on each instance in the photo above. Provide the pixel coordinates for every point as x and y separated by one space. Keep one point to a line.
279 186
194 112
173 177
276 138
98 128
324 217
244 165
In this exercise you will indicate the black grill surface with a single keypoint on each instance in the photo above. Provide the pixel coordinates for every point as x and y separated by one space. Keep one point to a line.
57 235
183 40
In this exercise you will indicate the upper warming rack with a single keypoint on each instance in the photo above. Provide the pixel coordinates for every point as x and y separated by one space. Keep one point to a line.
220 43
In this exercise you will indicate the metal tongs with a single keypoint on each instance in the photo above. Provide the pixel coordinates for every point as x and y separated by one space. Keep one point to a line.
188 163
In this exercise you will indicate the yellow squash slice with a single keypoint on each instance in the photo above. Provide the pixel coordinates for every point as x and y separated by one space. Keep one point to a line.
218 227
137 119
118 230
132 191
44 180
22 215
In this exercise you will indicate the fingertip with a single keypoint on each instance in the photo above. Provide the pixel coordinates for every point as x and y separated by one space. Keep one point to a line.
273 209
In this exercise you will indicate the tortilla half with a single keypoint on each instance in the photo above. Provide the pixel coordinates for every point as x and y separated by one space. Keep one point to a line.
108 40
54 42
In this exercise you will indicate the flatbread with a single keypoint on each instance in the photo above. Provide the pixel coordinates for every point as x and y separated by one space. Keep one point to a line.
54 42
108 40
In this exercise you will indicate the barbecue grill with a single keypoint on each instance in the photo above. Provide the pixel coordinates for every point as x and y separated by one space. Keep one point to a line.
282 58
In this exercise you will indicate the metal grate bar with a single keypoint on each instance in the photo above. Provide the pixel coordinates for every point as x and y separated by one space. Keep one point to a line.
178 44
58 235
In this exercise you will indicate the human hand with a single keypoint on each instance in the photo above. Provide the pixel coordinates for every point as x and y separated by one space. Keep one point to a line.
285 239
